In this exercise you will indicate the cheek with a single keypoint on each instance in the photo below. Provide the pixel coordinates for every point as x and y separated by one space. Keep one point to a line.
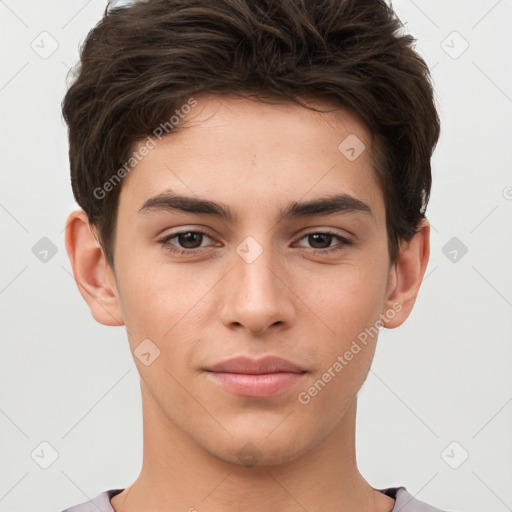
348 299
145 300
350 306
349 302
163 303
329 392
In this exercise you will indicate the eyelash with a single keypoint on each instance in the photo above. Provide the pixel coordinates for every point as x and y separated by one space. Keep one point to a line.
344 242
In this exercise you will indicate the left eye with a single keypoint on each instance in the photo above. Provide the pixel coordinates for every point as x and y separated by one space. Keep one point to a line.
322 241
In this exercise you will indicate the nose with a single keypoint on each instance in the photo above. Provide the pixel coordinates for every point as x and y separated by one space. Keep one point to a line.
257 295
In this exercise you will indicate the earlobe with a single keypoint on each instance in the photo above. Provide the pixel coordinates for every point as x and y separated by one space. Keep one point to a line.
93 276
407 275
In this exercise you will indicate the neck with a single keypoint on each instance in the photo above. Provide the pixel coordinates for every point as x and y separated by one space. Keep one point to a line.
177 474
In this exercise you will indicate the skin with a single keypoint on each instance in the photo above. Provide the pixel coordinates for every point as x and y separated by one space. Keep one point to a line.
293 301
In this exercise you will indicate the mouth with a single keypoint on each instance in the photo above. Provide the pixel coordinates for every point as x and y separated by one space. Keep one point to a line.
256 378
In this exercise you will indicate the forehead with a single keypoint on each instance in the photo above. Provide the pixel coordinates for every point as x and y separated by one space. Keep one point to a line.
235 148
262 117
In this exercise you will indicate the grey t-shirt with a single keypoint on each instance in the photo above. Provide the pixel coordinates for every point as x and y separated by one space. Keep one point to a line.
405 502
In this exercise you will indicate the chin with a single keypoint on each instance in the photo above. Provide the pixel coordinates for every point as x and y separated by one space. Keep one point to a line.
259 452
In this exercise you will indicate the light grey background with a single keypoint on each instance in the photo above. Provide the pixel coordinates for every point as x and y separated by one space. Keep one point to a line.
441 385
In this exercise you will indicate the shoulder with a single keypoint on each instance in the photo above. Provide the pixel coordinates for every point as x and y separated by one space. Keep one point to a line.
99 503
406 502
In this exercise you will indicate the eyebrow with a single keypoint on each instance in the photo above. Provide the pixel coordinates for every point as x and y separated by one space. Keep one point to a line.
338 203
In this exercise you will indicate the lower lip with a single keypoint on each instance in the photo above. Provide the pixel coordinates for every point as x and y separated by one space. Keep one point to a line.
256 386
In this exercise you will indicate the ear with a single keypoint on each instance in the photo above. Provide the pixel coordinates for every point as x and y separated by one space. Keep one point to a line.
406 276
93 276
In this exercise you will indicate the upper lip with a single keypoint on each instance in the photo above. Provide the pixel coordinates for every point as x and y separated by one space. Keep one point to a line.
250 366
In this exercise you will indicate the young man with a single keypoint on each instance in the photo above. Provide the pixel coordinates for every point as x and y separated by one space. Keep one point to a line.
253 178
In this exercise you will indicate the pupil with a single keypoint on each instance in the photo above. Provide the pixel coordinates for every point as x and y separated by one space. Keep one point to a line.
189 239
320 235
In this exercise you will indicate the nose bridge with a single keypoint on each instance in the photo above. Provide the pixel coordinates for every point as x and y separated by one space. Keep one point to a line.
255 281
255 295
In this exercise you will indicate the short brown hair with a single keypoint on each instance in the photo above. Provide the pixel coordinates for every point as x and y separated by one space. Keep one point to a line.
143 61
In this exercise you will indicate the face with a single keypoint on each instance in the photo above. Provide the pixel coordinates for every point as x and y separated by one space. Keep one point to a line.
252 274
